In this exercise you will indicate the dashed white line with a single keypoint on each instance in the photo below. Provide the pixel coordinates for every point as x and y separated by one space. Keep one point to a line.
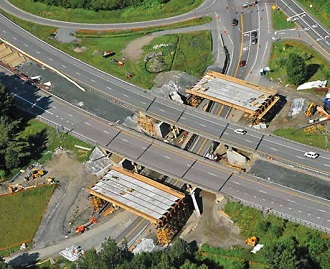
166 157
38 52
78 73
291 201
4 31
161 110
299 157
54 107
109 88
318 217
125 140
63 66
56 116
281 205
211 174
290 208
328 220
14 38
87 123
92 80
248 141
273 149
202 125
322 210
308 214
50 59
236 182
326 164
299 211
126 95
70 115
67 121
143 103
106 132
262 191
26 45
62 119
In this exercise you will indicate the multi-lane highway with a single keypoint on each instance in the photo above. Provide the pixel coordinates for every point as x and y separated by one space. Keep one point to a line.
174 162
188 118
316 31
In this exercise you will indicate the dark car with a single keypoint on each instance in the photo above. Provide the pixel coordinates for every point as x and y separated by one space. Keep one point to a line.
254 41
235 22
242 63
254 34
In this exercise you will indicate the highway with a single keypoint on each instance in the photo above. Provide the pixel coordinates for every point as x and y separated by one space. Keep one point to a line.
185 117
316 31
174 162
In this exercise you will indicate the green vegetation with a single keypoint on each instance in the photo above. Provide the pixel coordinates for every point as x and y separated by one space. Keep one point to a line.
279 20
149 10
118 40
317 67
24 140
312 139
55 139
21 213
320 10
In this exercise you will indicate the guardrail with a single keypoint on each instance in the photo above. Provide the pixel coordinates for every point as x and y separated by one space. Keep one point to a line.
284 216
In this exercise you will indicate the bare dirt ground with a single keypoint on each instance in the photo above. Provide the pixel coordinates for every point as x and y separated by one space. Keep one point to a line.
134 51
212 227
69 201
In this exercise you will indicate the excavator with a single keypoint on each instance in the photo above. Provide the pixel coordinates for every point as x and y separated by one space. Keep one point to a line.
35 173
251 241
80 229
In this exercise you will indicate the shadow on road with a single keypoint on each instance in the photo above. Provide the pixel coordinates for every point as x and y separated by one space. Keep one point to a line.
23 260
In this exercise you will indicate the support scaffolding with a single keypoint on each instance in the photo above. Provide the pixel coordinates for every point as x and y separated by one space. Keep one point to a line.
166 208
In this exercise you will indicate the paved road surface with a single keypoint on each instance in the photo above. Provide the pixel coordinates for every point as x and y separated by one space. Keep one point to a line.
171 161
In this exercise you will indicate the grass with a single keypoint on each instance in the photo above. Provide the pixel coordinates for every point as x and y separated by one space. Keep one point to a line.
269 231
118 40
279 20
318 67
21 213
142 13
55 140
320 12
312 139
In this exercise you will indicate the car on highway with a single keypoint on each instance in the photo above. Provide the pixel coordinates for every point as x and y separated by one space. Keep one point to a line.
235 22
254 41
240 131
242 63
311 154
254 34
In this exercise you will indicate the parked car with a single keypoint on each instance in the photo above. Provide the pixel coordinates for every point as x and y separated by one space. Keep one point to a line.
235 22
311 154
242 63
240 131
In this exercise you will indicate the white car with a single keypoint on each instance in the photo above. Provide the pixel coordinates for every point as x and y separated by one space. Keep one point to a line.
240 131
311 154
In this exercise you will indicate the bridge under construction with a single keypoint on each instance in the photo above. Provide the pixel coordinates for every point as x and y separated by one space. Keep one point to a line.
163 206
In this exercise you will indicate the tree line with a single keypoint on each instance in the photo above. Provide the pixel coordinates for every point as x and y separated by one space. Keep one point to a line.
16 146
100 4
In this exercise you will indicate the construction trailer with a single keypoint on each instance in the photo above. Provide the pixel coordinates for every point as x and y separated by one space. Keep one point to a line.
166 208
253 100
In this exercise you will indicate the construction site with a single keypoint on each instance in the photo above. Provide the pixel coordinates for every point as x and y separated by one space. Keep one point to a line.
163 206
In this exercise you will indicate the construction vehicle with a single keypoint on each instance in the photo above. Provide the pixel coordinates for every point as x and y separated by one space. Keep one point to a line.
108 53
80 229
15 188
120 63
129 75
311 109
35 173
51 180
251 241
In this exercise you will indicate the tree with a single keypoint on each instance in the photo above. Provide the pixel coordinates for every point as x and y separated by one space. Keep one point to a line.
282 254
296 69
180 251
7 101
90 260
